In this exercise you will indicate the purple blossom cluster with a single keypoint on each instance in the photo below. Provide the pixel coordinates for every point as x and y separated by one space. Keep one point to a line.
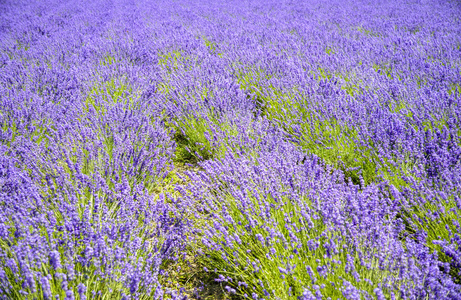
327 133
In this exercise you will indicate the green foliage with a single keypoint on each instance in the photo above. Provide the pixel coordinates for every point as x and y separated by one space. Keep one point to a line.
368 32
455 89
36 131
170 60
321 73
212 46
384 69
329 51
108 93
196 140
108 60
250 81
351 85
438 215
334 142
259 263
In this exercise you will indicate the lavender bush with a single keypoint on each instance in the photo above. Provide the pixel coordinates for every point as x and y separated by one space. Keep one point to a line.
82 151
283 226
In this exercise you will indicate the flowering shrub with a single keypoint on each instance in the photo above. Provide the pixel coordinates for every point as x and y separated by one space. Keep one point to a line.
282 225
81 153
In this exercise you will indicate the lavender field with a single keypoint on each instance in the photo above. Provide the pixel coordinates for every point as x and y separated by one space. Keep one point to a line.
230 149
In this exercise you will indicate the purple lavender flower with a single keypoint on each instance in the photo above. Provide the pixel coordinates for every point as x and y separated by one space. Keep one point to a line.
81 289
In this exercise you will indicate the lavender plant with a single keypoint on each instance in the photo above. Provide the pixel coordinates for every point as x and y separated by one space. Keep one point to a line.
80 158
280 225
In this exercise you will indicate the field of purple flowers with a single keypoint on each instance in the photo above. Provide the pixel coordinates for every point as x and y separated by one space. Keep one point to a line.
230 149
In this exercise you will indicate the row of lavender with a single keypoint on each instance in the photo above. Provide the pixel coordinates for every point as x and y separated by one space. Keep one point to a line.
82 149
370 89
328 134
